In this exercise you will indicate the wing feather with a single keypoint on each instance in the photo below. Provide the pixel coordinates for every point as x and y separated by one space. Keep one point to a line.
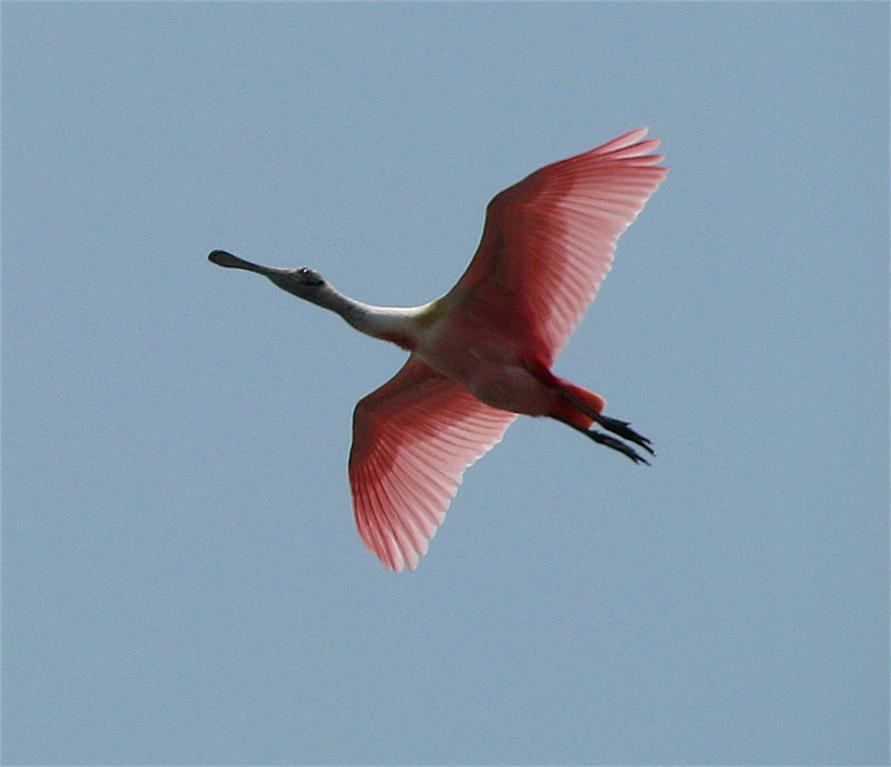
548 241
412 440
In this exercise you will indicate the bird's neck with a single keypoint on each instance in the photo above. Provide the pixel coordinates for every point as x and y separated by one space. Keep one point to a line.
395 324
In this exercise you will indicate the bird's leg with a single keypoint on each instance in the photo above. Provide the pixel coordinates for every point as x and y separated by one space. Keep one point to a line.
605 439
622 428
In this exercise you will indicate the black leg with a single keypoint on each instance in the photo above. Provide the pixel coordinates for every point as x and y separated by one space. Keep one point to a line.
622 428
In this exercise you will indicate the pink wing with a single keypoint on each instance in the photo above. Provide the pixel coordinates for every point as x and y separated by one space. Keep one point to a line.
548 242
412 440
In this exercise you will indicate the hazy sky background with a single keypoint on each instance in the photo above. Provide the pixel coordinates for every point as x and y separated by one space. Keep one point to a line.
182 580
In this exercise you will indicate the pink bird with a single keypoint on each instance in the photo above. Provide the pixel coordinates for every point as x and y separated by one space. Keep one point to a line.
482 353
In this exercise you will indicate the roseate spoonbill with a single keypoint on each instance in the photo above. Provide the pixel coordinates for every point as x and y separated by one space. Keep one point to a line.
482 353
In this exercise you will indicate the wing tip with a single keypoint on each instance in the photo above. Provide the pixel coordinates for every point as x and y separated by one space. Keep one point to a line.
623 141
630 146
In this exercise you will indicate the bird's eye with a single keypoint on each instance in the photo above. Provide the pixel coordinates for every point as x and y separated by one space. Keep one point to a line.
308 277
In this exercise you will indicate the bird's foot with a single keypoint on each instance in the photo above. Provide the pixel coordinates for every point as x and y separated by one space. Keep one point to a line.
624 430
604 439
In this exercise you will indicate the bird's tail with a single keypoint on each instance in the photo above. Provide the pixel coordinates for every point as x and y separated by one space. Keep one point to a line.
576 406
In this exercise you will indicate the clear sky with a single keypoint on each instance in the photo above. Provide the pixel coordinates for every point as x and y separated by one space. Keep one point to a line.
182 580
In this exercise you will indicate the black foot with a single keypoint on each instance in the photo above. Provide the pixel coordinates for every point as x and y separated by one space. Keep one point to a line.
624 430
615 444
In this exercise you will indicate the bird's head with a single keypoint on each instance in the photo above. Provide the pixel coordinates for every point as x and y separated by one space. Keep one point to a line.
303 282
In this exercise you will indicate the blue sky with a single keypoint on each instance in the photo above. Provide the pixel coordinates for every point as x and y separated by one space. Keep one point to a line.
182 581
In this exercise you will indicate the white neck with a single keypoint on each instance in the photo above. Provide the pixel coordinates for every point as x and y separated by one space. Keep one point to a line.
395 324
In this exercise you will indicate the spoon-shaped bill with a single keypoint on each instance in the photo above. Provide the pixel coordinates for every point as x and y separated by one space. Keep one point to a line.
222 258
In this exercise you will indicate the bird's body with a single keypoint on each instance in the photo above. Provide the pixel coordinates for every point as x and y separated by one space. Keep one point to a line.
482 353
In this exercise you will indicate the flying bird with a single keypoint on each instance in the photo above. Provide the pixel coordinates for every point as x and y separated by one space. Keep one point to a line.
482 353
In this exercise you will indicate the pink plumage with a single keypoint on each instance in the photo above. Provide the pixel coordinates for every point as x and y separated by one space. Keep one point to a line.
482 353
549 240
412 440
548 243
